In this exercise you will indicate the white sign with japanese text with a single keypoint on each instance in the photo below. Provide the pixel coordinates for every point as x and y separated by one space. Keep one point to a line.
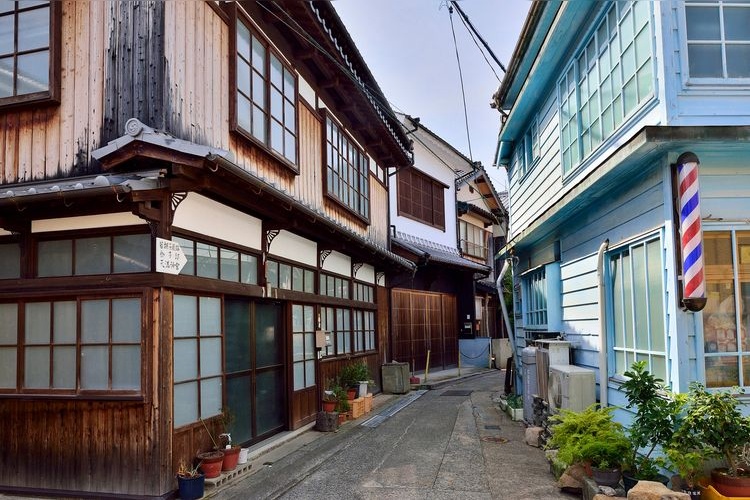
170 258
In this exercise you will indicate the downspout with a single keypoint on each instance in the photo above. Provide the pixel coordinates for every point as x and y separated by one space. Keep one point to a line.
603 368
506 319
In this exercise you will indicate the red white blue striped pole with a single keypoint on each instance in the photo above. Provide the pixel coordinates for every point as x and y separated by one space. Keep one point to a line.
691 233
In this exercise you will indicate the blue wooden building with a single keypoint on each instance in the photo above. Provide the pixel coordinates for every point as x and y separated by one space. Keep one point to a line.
600 101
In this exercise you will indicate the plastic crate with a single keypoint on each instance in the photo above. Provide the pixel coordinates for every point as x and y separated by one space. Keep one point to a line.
368 403
358 407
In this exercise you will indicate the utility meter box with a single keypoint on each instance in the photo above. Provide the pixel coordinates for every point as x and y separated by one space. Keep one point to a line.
396 378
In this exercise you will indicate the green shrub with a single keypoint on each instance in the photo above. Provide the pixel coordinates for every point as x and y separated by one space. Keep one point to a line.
573 431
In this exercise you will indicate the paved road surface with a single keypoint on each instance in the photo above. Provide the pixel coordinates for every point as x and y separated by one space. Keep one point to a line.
450 443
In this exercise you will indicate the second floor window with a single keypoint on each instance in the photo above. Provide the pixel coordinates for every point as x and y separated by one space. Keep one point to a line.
347 171
718 39
473 240
534 290
608 80
266 95
421 197
29 56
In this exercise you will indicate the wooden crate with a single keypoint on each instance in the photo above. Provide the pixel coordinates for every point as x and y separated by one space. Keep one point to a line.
368 403
358 407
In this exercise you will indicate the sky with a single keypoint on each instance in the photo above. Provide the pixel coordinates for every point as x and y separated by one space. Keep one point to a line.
408 46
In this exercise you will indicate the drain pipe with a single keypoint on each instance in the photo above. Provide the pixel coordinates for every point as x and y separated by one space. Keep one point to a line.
506 319
603 368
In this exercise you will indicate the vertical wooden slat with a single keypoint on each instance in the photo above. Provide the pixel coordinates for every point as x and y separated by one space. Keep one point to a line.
97 21
11 143
81 85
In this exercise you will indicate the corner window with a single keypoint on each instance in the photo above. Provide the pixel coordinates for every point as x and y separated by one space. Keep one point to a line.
347 171
726 317
29 51
71 346
10 260
636 294
211 261
421 197
718 39
197 358
534 300
608 80
265 91
128 253
528 153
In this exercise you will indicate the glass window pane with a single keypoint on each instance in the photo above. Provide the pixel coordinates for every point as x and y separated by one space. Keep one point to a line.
8 362
243 77
55 258
297 318
185 403
244 112
705 61
92 256
656 297
309 373
132 253
659 367
737 23
230 265
259 124
249 269
277 136
722 371
6 76
297 279
7 32
185 359
259 93
38 323
207 260
738 61
299 376
239 390
210 312
126 320
33 29
33 73
243 40
285 276
94 367
210 397
272 273
289 84
210 357
185 316
298 349
267 336
64 323
126 367
8 324
309 318
10 254
37 366
309 345
237 335
259 56
703 23
269 400
94 321
276 71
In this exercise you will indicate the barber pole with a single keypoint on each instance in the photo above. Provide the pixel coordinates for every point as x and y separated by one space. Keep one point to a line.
694 287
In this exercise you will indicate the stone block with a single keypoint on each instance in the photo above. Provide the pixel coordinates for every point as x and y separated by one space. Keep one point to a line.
652 490
532 436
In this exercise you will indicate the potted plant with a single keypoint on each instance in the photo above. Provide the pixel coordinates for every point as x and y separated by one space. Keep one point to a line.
231 453
515 407
190 482
656 415
355 375
605 457
211 462
714 424
342 403
688 462
330 396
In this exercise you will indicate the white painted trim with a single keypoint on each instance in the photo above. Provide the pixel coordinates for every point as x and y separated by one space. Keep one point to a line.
86 222
338 263
3 232
204 216
295 248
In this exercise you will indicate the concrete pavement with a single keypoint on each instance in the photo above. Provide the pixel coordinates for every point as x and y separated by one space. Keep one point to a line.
453 442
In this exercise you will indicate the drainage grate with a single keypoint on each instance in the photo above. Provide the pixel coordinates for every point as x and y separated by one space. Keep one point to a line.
457 393
392 410
492 427
494 439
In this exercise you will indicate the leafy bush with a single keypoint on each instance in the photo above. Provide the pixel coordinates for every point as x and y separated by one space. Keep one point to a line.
606 454
354 373
573 431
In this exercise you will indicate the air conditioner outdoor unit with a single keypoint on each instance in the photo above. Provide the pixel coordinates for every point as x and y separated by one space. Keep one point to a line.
571 387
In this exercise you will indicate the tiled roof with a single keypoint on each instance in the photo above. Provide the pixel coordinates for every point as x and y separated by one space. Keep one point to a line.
436 252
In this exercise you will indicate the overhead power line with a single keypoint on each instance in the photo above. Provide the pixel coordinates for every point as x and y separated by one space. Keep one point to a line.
465 18
461 76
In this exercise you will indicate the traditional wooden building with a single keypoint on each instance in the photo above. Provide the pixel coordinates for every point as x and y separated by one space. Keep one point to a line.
435 305
254 136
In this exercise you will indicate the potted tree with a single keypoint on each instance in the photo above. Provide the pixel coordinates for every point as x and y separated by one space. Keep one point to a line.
656 415
605 457
190 482
342 403
688 462
355 376
714 424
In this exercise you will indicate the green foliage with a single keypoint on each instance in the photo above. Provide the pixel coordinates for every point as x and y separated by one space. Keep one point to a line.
573 431
606 454
657 412
713 426
515 401
687 462
354 373
342 401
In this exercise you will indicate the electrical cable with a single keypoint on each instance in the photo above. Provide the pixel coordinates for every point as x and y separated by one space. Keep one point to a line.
471 33
461 76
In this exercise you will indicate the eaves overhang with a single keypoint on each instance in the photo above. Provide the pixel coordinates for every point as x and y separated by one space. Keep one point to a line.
622 167
428 252
215 167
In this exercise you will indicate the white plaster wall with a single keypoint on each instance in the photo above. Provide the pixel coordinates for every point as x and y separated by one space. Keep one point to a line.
204 216
338 263
85 222
366 273
296 248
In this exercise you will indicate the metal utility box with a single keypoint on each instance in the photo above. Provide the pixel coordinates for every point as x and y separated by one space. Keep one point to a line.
396 378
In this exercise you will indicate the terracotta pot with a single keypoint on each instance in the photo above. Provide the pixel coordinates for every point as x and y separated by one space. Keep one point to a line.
231 457
730 486
211 462
329 406
351 393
